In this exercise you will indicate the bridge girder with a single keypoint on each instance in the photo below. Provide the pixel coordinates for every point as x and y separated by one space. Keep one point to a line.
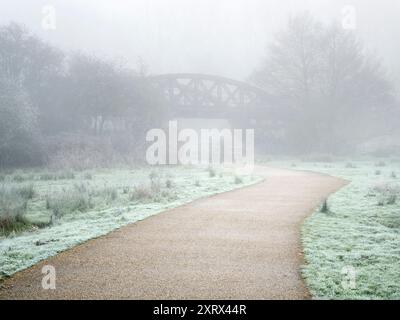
207 96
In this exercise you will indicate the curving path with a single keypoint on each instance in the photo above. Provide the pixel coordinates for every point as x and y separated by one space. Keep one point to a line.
243 244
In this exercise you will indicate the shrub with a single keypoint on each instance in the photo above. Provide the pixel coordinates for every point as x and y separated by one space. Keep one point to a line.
211 172
391 220
153 176
79 152
66 175
69 201
47 176
151 193
125 190
392 198
109 194
88 176
380 164
112 194
387 193
12 211
26 192
141 192
238 180
165 195
378 172
169 184
81 188
155 183
325 207
18 178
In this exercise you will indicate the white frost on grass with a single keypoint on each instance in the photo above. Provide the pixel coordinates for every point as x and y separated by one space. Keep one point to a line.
24 250
358 233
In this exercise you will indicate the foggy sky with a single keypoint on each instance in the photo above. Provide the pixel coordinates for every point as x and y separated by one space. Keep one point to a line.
223 37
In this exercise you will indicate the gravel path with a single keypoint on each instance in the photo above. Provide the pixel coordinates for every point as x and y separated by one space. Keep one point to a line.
244 244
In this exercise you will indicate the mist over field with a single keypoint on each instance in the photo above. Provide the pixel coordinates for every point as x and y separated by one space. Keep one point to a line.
114 111
223 37
238 40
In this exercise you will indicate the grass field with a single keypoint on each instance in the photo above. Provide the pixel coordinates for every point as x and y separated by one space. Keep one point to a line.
352 246
43 213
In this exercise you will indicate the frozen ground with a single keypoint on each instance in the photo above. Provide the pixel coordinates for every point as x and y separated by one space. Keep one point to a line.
242 244
353 250
177 186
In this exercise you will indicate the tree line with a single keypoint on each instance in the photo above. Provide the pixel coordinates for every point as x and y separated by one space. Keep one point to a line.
333 94
46 96
76 109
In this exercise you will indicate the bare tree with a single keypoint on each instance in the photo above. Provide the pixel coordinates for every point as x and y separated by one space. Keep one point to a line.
103 91
18 132
330 86
46 96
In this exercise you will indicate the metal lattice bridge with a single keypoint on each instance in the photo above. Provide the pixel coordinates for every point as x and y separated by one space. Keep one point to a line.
206 96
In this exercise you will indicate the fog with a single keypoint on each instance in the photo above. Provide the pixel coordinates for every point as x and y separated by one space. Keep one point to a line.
112 111
224 37
94 77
